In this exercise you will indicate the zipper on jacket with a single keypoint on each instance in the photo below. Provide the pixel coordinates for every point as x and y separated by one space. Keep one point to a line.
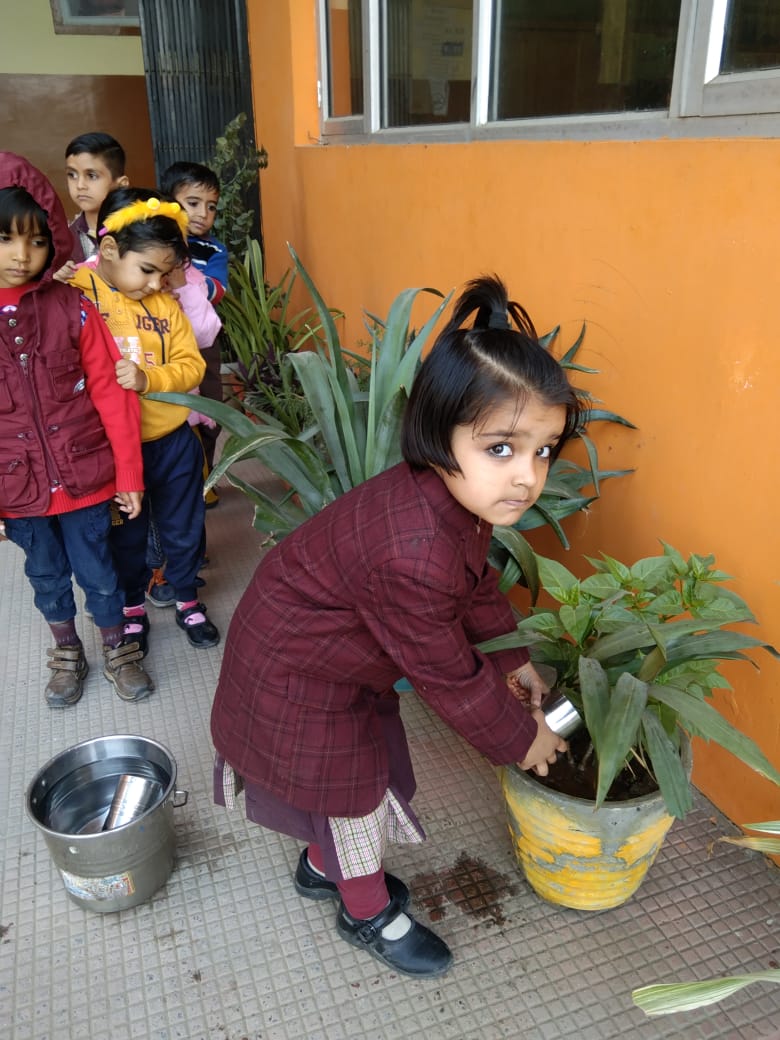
40 425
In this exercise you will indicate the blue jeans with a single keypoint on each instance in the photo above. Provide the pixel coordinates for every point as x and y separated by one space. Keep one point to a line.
58 548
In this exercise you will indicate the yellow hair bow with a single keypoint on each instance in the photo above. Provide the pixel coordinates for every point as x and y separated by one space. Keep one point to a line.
145 209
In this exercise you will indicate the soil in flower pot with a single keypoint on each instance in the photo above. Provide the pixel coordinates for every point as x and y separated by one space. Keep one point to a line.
575 774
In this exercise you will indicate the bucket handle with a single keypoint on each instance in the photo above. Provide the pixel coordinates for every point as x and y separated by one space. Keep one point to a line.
182 797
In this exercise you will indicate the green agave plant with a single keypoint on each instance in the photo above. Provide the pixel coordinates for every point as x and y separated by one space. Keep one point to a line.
637 650
668 998
355 418
355 432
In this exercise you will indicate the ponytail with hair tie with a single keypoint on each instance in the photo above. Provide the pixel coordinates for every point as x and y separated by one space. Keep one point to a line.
498 319
488 296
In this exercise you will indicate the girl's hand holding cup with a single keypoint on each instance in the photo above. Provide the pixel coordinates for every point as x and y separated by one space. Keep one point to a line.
544 751
527 685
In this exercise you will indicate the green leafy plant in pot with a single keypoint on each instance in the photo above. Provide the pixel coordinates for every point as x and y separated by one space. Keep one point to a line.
637 649
237 162
261 328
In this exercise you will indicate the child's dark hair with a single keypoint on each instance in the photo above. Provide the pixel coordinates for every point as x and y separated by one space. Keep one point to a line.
104 146
20 213
142 234
181 174
470 371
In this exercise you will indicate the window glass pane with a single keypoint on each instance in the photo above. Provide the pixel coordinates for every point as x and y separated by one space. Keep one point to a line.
573 57
345 58
752 37
427 62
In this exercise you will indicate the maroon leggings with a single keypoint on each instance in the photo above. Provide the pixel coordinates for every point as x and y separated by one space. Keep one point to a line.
363 896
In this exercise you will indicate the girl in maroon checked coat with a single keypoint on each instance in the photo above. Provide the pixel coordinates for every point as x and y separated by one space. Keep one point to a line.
391 580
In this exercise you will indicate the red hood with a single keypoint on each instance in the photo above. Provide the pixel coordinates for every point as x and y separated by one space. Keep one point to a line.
15 171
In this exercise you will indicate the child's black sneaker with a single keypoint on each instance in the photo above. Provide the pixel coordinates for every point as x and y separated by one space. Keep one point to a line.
197 627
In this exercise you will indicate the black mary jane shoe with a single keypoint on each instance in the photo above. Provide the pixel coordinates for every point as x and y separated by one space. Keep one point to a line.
312 885
142 638
420 953
201 634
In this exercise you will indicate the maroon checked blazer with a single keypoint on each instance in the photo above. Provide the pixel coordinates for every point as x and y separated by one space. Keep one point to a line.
390 580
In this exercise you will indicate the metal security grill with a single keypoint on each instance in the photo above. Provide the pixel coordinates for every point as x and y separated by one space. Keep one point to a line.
196 61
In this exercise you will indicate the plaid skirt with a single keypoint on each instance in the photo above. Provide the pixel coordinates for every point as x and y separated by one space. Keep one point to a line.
352 846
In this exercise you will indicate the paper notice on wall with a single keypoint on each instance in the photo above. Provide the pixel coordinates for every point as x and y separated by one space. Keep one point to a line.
441 42
441 49
440 96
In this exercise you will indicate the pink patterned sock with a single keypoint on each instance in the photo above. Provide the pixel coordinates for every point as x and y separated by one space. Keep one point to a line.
196 618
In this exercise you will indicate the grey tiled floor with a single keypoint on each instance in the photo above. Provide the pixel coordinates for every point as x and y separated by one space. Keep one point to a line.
228 951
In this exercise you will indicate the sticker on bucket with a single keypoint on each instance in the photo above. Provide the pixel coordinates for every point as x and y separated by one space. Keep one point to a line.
115 886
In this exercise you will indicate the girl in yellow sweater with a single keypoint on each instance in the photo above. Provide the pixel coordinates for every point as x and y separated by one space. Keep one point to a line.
141 242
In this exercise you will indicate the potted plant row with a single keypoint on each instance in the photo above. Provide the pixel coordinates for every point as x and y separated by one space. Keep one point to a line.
348 408
636 647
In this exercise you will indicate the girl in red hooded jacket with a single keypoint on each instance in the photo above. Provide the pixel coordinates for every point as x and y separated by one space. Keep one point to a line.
70 439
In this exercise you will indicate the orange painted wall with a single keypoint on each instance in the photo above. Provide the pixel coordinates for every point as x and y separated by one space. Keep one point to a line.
667 249
339 49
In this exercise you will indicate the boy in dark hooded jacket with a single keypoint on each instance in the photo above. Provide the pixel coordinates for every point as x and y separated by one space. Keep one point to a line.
70 438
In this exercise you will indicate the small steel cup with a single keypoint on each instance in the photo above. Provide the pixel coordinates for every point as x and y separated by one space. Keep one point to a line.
561 715
133 796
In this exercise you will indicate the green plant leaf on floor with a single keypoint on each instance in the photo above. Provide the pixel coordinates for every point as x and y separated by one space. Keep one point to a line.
759 844
666 999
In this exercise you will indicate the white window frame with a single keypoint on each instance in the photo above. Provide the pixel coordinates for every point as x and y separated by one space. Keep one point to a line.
337 126
704 91
66 22
703 102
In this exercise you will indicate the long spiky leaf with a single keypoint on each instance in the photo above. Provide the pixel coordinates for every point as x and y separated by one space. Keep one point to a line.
665 999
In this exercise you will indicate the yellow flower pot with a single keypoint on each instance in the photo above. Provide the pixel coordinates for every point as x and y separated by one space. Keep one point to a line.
575 855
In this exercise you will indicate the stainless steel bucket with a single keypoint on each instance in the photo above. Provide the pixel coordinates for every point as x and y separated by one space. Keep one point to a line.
69 800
